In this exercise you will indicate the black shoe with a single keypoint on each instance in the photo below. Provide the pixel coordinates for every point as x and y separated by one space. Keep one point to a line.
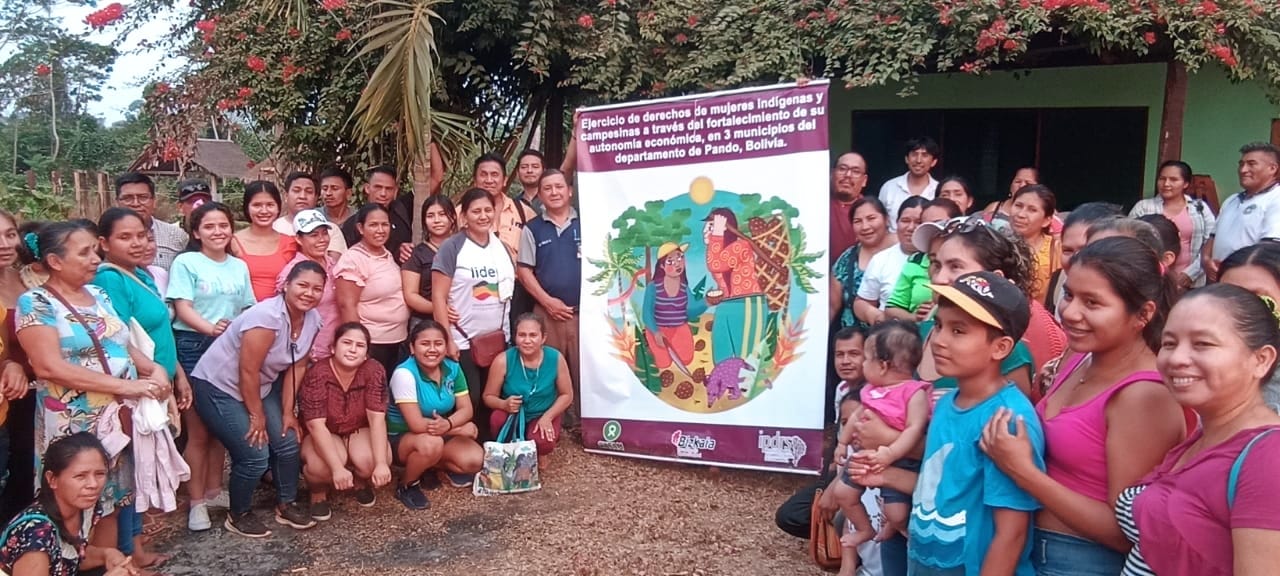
321 511
294 516
412 497
365 497
246 525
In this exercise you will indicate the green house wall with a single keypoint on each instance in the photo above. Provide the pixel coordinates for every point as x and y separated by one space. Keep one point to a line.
1220 116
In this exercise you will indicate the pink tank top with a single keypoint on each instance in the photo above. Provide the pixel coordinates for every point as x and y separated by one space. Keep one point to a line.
890 402
1076 439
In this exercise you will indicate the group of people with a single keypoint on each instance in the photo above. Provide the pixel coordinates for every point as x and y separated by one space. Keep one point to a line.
313 340
1019 394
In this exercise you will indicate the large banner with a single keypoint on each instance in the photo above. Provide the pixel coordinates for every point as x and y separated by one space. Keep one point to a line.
704 308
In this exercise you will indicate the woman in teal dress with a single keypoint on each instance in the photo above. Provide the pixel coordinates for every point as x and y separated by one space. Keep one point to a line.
533 377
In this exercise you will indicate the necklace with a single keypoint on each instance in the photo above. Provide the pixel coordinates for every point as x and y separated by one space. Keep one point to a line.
536 370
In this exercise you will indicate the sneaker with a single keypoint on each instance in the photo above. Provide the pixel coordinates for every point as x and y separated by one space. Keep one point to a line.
198 518
365 497
222 500
321 511
294 516
460 480
412 497
246 525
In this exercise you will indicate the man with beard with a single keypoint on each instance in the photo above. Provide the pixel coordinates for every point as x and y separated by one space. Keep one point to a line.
848 179
138 193
529 172
922 156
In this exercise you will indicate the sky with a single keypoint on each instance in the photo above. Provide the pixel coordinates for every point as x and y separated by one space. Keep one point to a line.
133 69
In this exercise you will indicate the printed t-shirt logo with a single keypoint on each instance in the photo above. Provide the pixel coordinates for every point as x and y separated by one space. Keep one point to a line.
483 291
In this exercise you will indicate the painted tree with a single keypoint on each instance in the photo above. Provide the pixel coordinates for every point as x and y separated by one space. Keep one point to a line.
647 229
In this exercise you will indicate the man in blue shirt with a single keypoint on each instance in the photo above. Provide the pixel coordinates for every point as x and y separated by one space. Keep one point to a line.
550 267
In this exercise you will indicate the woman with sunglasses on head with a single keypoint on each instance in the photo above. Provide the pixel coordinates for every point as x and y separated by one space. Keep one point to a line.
51 537
208 288
1115 309
1192 216
251 408
871 225
264 250
81 355
314 235
971 245
884 269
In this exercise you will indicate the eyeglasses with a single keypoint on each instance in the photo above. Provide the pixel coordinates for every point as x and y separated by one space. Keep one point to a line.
854 170
134 199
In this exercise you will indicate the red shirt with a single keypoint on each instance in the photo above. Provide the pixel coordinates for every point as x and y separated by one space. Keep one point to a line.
343 411
842 235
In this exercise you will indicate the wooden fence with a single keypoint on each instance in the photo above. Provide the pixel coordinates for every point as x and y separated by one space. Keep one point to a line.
90 191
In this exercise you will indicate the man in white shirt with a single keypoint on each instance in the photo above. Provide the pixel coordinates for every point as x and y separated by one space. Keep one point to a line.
922 156
299 194
1253 214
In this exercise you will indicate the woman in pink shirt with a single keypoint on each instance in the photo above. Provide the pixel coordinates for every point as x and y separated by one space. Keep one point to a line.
369 289
1107 419
1210 508
312 232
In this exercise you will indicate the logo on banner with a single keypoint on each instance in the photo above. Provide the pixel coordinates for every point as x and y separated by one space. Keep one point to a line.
611 432
779 449
690 446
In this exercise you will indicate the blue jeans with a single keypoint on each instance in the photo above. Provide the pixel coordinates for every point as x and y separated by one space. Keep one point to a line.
4 457
1057 554
915 568
228 421
893 556
191 346
128 525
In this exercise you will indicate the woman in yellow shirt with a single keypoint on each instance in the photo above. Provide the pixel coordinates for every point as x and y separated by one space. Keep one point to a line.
1032 217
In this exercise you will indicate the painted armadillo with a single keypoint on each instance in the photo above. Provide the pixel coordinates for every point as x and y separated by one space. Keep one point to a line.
726 378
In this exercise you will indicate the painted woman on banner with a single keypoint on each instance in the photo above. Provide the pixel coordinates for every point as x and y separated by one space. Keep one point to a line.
741 310
669 307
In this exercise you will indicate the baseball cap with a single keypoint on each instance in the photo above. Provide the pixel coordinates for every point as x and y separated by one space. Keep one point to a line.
307 221
991 299
193 189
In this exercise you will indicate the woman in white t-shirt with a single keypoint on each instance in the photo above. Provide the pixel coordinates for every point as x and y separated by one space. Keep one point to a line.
474 276
882 272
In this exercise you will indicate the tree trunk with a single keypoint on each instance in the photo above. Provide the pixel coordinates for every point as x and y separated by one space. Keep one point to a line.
1175 104
421 177
554 135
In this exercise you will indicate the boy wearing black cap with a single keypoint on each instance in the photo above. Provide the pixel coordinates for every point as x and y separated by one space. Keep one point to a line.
968 516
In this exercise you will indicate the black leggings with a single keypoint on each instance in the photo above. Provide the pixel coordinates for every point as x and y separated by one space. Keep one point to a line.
388 355
476 379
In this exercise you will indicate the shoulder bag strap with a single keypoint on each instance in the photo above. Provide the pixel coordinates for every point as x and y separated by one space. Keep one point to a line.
1234 477
97 344
134 277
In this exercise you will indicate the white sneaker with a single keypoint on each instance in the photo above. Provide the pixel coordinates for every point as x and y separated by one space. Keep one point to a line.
198 518
222 500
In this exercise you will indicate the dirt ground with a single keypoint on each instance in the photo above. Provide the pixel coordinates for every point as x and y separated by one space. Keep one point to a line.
595 516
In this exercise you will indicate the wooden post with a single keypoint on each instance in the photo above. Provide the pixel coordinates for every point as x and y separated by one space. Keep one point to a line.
554 147
77 184
31 179
1175 105
103 199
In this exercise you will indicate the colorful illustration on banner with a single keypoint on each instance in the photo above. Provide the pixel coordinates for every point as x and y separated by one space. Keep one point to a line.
705 311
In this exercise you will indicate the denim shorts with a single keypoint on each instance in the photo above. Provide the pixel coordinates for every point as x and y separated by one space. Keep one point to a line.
889 495
1057 554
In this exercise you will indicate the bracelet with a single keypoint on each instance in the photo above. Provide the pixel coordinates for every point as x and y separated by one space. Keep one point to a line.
450 421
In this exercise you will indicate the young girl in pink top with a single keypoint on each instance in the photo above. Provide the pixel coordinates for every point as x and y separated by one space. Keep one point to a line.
892 351
1107 419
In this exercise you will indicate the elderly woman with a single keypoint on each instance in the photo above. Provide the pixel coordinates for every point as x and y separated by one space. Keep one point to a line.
51 537
1210 506
80 352
369 290
533 378
251 409
315 235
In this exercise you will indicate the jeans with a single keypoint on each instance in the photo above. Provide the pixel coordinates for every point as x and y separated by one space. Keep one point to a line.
128 525
476 378
4 463
1057 554
893 556
228 421
191 346
915 568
